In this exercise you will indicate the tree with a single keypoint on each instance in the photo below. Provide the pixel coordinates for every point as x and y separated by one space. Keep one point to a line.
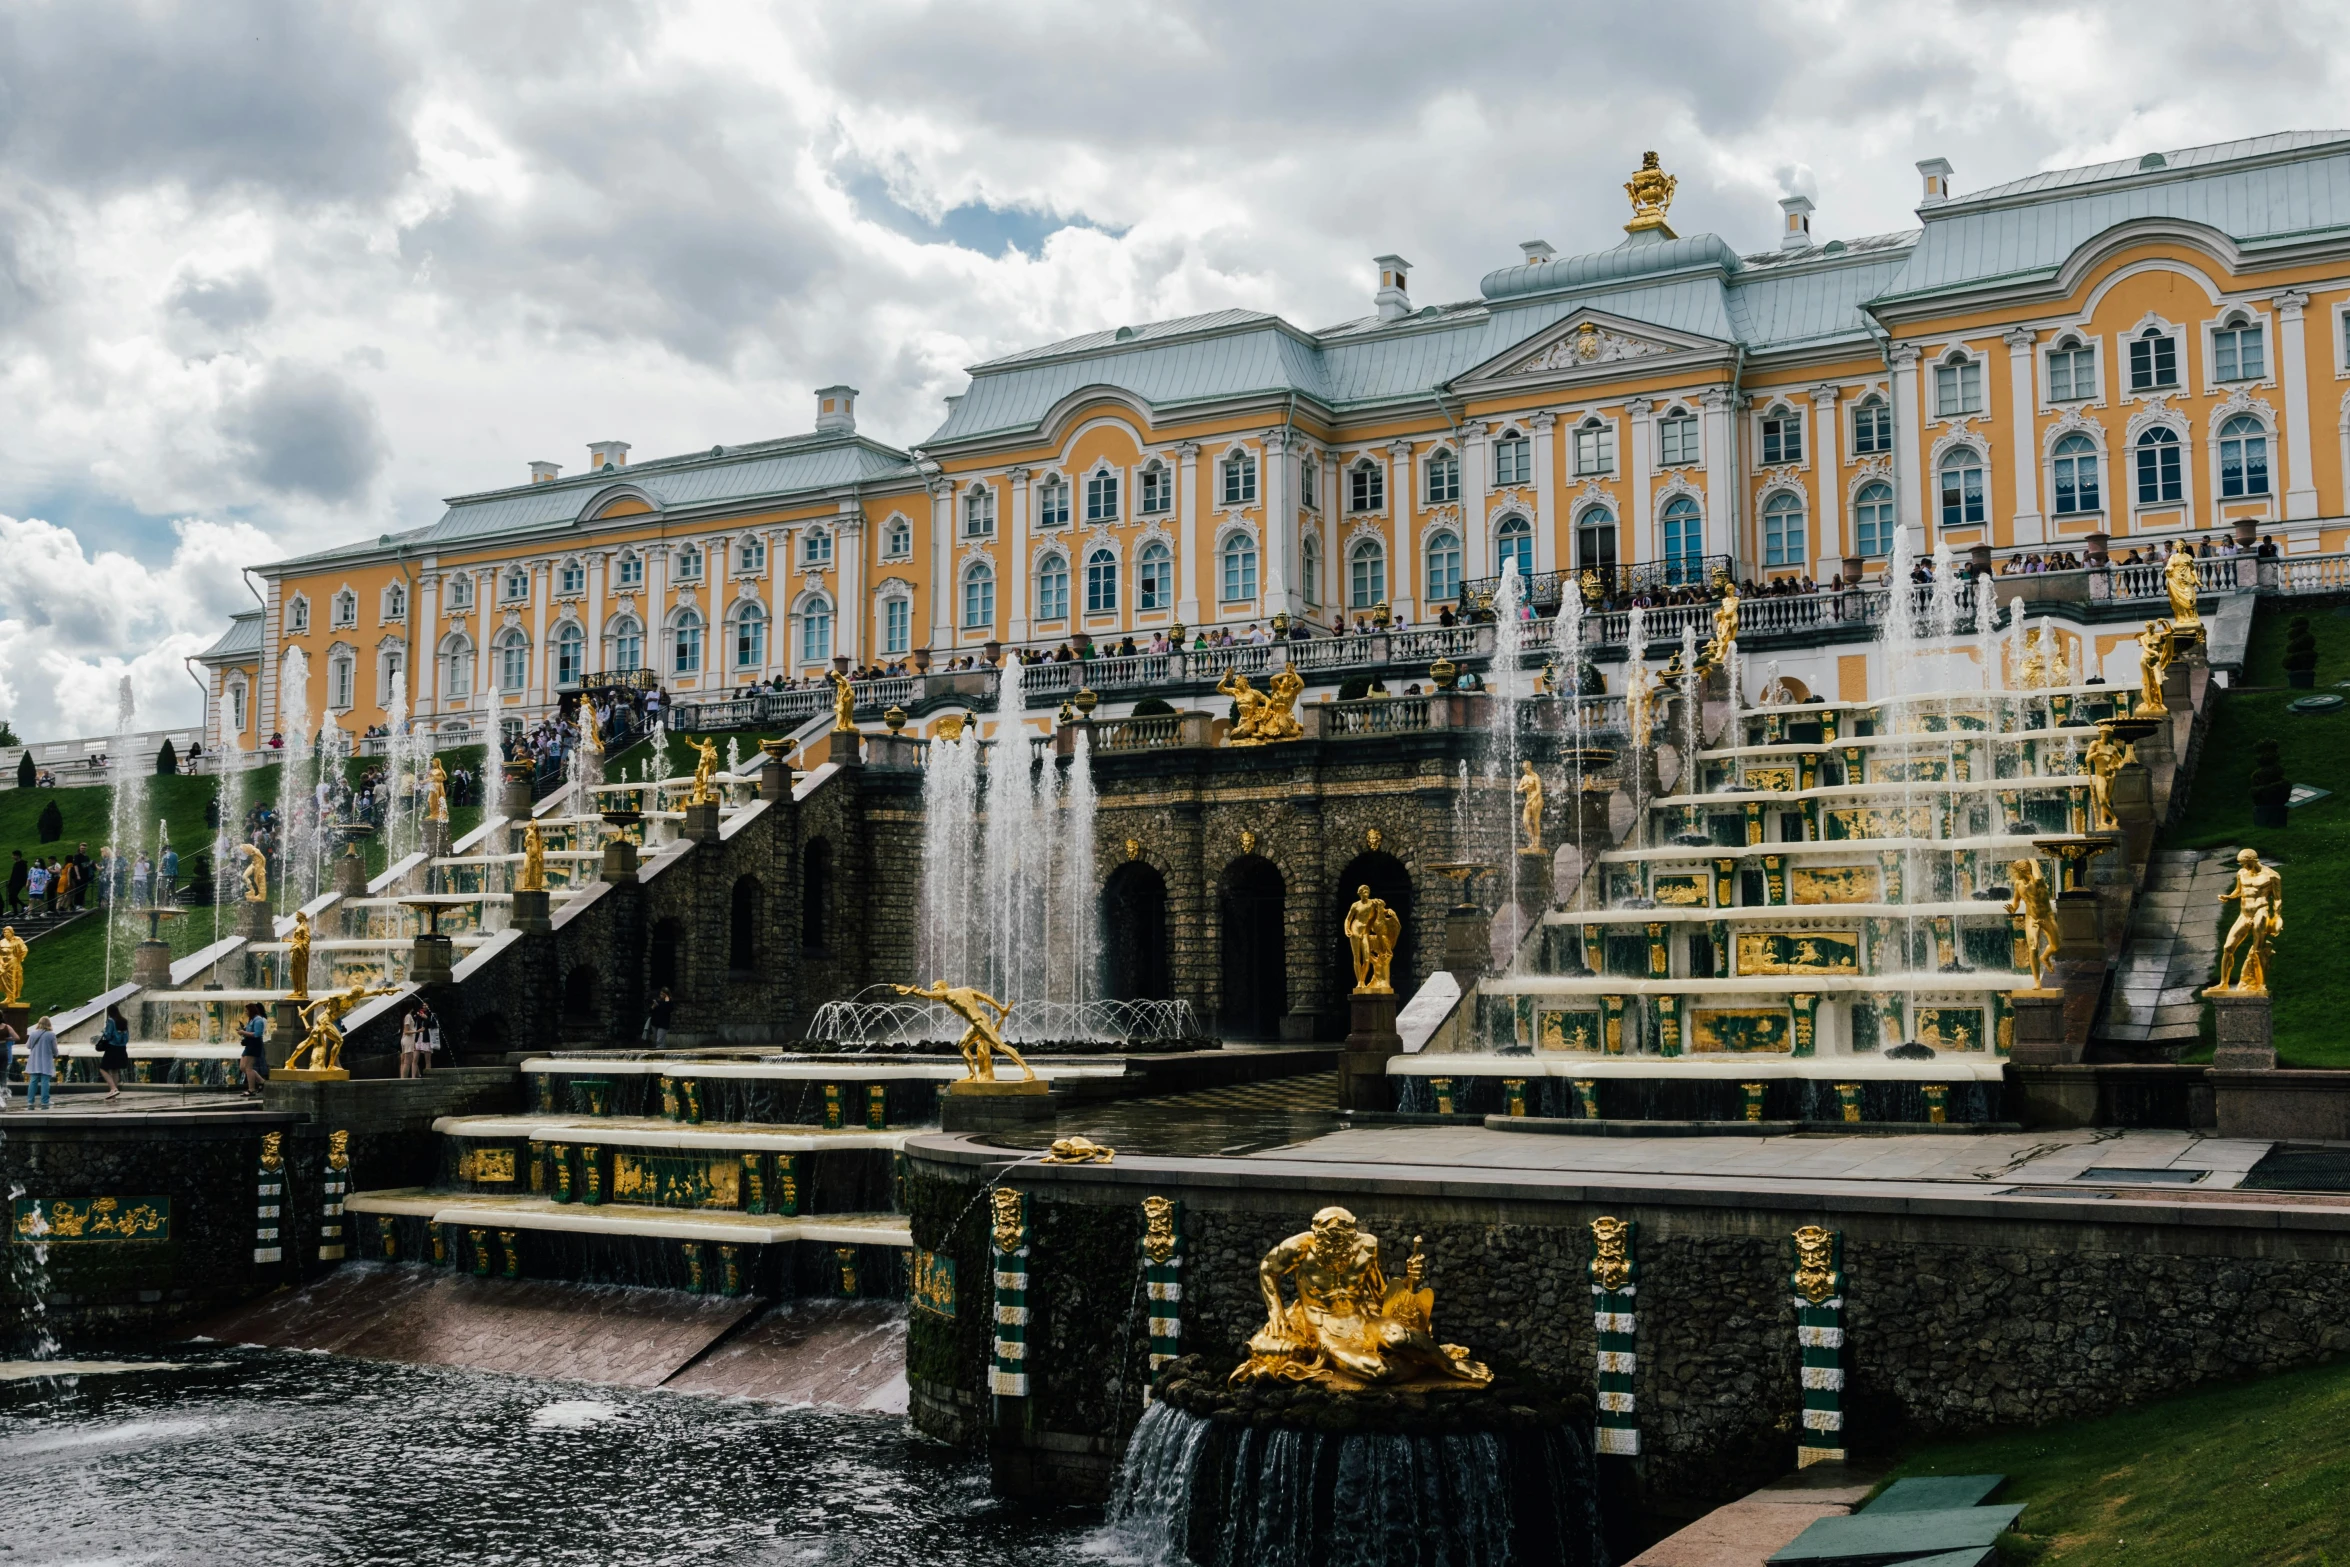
1153 707
51 824
2271 791
2300 654
8 733
167 760
26 775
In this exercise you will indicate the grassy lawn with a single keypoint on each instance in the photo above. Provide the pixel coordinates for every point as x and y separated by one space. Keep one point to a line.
2246 1474
2312 995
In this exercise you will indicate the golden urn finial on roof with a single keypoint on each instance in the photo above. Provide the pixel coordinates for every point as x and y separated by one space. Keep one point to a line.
1651 190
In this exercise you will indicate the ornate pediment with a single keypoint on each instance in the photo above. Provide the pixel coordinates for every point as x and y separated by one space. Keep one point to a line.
1587 344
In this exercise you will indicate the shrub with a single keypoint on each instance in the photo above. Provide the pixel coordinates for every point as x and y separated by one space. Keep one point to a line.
51 825
25 773
1153 707
1354 688
167 760
2300 652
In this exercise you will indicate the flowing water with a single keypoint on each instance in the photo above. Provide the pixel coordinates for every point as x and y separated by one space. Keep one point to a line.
126 825
295 829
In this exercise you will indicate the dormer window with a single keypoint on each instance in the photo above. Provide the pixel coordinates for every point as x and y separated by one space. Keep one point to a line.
1158 489
750 556
298 614
1513 459
514 586
1052 504
979 512
1872 427
631 572
816 548
897 541
346 608
2154 360
2237 352
1595 447
570 579
1366 487
1101 496
1444 478
1782 439
1958 386
689 563
396 601
1239 474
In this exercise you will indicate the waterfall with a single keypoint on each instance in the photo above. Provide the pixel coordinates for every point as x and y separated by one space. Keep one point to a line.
1501 751
230 804
1079 921
294 834
126 825
952 862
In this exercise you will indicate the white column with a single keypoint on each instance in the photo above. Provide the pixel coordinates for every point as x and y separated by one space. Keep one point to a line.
848 559
1476 538
774 602
717 654
485 663
1909 452
1012 563
2300 488
591 612
1722 532
657 646
1185 464
1332 475
1280 524
2030 525
1403 555
427 608
1641 463
1546 554
265 687
1826 432
942 572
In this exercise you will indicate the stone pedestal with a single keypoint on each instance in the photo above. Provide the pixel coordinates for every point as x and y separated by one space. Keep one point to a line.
285 1032
351 876
2039 1030
532 911
1370 1045
892 751
775 777
2078 936
845 746
310 1074
972 1106
1468 941
514 800
701 823
151 965
429 960
2132 792
2243 1028
1534 877
619 861
436 839
254 922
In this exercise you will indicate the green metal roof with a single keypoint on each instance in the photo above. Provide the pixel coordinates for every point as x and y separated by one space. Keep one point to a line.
241 640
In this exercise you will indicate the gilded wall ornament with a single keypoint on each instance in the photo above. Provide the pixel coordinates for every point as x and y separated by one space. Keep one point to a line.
1248 841
1011 1219
1371 839
1815 1263
338 1150
1078 1150
1611 1258
273 1150
1158 1228
1134 848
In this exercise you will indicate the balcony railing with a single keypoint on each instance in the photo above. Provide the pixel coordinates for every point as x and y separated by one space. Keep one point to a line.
1615 582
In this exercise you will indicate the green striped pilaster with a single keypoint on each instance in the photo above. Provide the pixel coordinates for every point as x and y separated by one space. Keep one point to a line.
1615 1288
1007 1375
1818 1282
1162 1278
270 1201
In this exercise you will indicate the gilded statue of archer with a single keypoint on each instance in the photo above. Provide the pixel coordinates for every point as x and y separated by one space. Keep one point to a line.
2259 896
985 1036
1372 930
1349 1327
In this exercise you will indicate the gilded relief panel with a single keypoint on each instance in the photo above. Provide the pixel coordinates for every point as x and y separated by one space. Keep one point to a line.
1742 1030
1832 884
1799 952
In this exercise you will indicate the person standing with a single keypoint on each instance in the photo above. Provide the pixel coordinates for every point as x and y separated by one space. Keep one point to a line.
254 1061
40 1065
408 1067
657 1020
19 875
428 1035
8 1043
114 1052
168 868
81 875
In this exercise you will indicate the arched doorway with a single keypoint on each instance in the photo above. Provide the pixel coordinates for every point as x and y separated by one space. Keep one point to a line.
742 927
1134 934
1256 951
1385 875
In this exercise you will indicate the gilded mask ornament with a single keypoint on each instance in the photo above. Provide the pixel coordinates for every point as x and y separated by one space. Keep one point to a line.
273 1150
1815 1263
1248 841
1011 1220
1611 1258
338 1150
1371 838
1134 848
1158 1228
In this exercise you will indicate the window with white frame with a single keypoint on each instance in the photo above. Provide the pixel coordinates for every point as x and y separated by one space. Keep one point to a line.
1310 555
979 597
1444 478
2237 352
816 630
461 591
346 608
1101 496
457 666
1158 489
2072 371
897 540
1595 539
1595 447
1309 484
816 547
1783 530
1872 519
1052 587
750 555
1366 487
1962 487
2154 360
627 572
1958 387
689 563
750 637
1684 527
236 707
1872 427
1238 475
1366 574
2243 458
1782 439
979 511
514 585
897 625
1052 504
1444 566
628 645
1514 546
513 661
298 614
2074 475
2160 476
1239 569
685 643
570 655
570 579
1676 439
1101 583
396 601
1513 459
1154 577
342 673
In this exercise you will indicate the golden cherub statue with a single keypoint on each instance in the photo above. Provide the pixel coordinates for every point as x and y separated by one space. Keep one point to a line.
2259 897
705 790
844 705
2028 895
255 875
436 794
533 877
15 951
1529 788
1349 1327
2182 582
298 958
1651 190
985 1036
1248 699
2101 761
323 1044
1372 930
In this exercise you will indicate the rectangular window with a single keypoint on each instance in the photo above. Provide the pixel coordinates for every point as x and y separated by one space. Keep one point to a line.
2154 362
1962 494
1309 484
1367 577
2076 483
1052 507
632 575
816 548
979 513
897 625
628 649
1677 441
750 642
342 684
978 601
1240 572
2236 354
752 556
1366 487
1958 388
689 649
1101 498
1513 460
1158 491
2072 374
1873 521
1444 479
1782 439
1154 584
1872 428
1595 449
513 665
1240 480
689 564
815 634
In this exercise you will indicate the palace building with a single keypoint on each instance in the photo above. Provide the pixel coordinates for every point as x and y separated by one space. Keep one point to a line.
2091 358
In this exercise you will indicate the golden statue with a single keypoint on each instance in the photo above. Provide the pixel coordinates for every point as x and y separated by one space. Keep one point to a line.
2154 656
534 860
1275 715
705 789
14 953
1639 703
984 1037
1725 629
2028 895
1349 1327
298 958
590 722
950 726
844 705
1529 787
2181 580
256 874
323 1045
1251 702
2259 897
436 794
1372 929
1078 1150
1651 190
2102 760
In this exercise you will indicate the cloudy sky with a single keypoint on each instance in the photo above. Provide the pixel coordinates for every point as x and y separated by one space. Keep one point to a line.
280 275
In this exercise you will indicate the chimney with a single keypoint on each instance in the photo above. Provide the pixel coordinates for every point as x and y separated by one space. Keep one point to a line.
1795 231
606 454
836 408
545 472
1535 250
1937 173
1394 278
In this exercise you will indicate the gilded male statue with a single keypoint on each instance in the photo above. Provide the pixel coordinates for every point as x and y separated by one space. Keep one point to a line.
1348 1327
14 952
1276 719
591 725
2259 897
1248 699
298 958
2102 760
534 860
2028 895
322 1046
2182 582
1529 789
985 1036
1372 929
2154 656
1725 627
255 875
705 790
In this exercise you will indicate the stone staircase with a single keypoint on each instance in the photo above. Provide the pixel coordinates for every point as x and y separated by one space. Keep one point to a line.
2152 1008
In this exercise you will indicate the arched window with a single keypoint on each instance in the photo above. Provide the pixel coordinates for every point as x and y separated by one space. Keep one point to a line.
1444 478
1052 587
1515 544
750 555
1239 475
513 661
816 547
979 512
1684 541
1101 496
236 706
1782 526
685 644
1101 583
629 572
346 607
298 614
456 674
570 655
1154 577
2243 456
1444 566
1366 573
1158 489
628 645
2159 477
750 637
1872 519
1240 569
2075 475
1962 487
571 579
1366 486
816 630
1872 426
689 563
1513 459
1052 504
979 597
396 601
1595 539
898 542
1310 558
